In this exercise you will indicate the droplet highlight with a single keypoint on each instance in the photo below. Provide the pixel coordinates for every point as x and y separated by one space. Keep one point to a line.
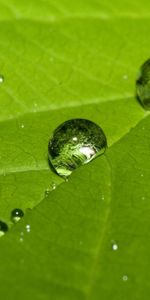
3 228
16 215
1 79
28 229
143 85
125 76
124 277
21 238
114 247
53 186
47 191
74 143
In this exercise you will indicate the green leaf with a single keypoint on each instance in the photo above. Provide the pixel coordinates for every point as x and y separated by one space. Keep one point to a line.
60 61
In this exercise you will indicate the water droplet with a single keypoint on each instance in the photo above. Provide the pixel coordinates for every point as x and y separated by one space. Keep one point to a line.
3 228
1 79
16 215
142 175
53 186
103 197
35 106
114 246
124 277
125 77
47 192
22 125
21 239
143 85
28 228
74 143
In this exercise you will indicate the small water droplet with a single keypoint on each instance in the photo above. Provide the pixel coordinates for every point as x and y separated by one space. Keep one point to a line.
74 143
103 197
28 229
35 107
53 186
3 228
114 247
1 79
143 85
124 277
47 191
22 125
21 239
142 175
125 77
16 215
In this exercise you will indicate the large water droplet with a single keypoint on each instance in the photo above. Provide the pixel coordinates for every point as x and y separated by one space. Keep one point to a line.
1 79
143 85
74 143
16 215
3 228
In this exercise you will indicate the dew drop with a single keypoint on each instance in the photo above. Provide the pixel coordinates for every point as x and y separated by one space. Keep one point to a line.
21 239
22 125
114 247
125 77
47 191
143 85
3 228
103 197
124 277
1 79
16 215
75 143
53 186
28 229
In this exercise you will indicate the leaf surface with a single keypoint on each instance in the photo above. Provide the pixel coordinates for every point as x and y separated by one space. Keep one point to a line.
60 61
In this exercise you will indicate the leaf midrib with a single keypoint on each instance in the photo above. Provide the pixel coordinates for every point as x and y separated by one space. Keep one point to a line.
58 19
43 167
67 105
